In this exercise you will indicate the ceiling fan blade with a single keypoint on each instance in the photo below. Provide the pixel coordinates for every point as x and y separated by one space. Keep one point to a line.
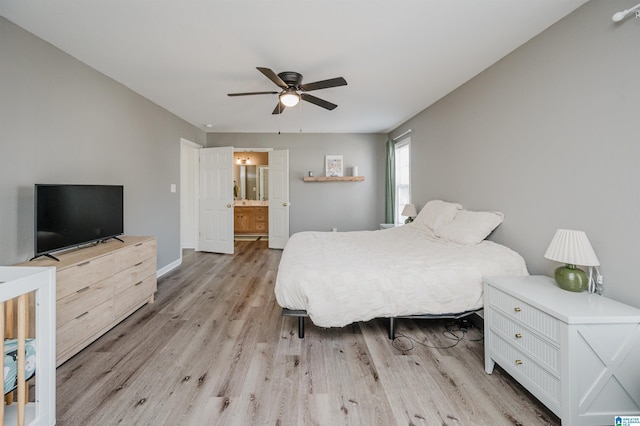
324 84
317 101
252 93
273 77
279 109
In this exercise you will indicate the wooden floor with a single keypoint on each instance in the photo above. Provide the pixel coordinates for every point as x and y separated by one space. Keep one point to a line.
214 350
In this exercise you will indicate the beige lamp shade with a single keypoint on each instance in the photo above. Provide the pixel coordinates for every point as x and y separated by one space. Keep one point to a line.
571 247
409 210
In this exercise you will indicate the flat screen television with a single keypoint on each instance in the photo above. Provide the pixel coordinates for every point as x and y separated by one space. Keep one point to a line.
68 216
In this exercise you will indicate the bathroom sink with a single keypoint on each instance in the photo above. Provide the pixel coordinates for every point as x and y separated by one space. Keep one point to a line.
247 203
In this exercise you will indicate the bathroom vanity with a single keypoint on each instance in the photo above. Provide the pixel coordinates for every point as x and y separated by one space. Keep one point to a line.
251 219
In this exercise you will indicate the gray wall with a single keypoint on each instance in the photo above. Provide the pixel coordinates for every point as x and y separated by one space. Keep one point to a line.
63 122
549 136
318 206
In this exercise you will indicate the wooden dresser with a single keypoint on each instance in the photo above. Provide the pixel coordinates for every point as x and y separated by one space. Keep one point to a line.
576 352
99 286
251 220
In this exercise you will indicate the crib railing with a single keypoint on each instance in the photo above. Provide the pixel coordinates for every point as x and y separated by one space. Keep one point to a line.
16 283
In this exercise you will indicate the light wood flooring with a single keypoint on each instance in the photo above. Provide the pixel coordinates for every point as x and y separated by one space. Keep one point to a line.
214 350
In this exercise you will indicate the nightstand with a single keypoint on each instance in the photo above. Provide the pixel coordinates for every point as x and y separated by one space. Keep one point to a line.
576 352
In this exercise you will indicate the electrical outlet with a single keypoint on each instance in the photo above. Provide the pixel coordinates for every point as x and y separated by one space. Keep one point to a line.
600 279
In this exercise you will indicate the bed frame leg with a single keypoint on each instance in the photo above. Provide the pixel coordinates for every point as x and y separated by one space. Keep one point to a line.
392 328
301 327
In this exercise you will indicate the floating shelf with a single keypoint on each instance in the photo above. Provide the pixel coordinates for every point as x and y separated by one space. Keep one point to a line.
333 179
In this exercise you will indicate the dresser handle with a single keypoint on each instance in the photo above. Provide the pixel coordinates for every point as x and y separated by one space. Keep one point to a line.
84 263
518 336
138 264
517 309
138 245
83 289
81 315
137 284
518 362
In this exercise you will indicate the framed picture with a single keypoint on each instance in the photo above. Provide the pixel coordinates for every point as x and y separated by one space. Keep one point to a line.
333 165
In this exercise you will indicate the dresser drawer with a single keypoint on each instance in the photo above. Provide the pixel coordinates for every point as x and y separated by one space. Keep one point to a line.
134 274
526 314
539 381
529 342
135 254
69 307
74 278
129 297
84 326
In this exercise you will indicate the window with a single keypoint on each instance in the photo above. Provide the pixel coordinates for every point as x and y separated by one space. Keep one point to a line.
403 177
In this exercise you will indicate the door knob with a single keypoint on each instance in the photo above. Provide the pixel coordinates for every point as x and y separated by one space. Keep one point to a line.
285 204
228 206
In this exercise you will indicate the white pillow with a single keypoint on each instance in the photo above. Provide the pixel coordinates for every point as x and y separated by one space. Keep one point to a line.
470 228
436 213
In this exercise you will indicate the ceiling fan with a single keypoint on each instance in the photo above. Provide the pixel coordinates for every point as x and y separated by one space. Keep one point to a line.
291 84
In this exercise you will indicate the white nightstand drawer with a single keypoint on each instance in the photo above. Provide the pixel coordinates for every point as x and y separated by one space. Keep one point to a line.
528 341
586 355
535 378
528 315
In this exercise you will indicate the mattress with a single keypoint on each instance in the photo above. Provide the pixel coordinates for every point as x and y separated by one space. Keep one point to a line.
11 362
343 277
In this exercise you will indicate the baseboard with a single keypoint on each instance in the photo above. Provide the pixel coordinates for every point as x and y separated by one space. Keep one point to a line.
170 267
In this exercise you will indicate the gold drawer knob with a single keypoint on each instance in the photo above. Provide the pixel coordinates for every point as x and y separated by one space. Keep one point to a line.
518 362
517 309
518 336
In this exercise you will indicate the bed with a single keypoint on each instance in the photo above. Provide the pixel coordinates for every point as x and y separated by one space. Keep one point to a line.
430 267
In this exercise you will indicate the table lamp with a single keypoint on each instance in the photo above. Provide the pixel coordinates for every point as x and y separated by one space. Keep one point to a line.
572 248
409 210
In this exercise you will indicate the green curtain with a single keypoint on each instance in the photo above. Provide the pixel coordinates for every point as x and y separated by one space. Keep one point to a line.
390 182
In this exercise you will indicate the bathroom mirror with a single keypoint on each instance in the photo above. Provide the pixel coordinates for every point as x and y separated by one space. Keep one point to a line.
251 182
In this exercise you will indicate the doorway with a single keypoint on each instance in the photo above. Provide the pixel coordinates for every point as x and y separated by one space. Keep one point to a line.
275 188
250 195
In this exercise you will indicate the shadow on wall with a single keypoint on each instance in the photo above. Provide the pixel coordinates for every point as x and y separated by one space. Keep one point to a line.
25 222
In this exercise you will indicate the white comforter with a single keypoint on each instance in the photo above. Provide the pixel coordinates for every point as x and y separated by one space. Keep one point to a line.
343 277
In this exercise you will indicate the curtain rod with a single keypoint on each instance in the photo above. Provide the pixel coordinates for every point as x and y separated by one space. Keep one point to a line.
401 135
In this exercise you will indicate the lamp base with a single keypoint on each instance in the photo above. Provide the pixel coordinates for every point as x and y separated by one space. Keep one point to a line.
408 220
571 278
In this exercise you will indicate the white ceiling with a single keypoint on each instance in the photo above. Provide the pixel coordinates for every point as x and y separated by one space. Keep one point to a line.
398 57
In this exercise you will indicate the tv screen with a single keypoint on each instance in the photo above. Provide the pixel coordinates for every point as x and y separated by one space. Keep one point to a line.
71 215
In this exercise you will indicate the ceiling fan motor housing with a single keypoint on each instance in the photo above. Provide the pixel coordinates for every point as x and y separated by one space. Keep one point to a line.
292 78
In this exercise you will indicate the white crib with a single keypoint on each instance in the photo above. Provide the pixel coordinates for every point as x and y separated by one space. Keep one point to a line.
16 283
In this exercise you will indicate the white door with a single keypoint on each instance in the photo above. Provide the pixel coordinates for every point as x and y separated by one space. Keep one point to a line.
216 200
278 198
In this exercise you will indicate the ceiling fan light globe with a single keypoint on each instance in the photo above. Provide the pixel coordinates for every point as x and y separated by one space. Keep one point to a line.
289 99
